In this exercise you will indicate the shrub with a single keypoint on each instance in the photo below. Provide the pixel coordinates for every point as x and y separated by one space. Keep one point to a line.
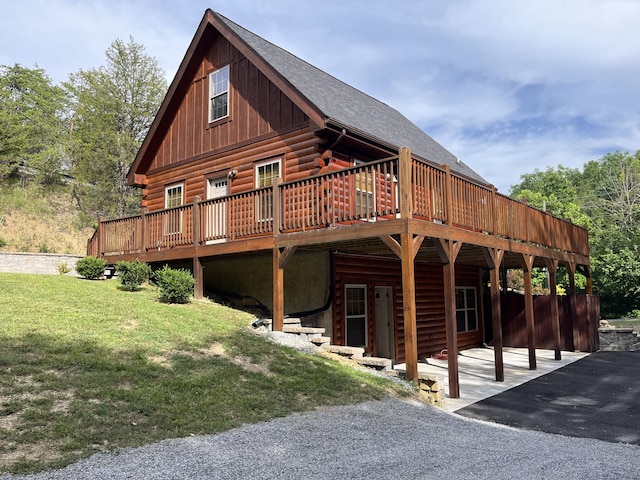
132 274
3 242
176 286
90 267
63 268
44 248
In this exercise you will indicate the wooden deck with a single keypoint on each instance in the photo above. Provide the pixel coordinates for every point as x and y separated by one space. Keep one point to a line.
356 203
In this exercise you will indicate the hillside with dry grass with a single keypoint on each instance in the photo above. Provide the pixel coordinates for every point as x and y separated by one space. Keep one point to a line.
38 219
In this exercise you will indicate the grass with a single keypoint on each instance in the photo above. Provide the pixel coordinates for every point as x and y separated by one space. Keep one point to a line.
627 323
85 367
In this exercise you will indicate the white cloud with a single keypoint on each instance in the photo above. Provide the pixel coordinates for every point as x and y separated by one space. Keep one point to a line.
507 86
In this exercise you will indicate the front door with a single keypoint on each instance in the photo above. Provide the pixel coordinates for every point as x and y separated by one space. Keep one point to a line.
384 322
216 212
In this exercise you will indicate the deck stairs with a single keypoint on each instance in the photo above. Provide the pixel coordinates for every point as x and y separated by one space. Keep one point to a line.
315 335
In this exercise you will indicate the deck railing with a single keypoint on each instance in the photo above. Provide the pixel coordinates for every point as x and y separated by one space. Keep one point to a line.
364 193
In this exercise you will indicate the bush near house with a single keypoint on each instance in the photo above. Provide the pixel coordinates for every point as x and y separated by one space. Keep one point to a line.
132 274
90 267
176 285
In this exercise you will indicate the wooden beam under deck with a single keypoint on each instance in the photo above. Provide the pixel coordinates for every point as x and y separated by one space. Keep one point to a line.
527 265
494 258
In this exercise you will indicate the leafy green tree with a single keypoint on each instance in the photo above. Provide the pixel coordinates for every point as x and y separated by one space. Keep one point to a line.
605 197
33 124
114 106
611 198
554 190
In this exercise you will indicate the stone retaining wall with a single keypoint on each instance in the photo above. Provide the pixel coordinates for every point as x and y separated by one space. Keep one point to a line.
47 263
618 339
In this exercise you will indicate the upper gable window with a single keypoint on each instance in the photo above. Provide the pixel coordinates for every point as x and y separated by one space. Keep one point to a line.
219 94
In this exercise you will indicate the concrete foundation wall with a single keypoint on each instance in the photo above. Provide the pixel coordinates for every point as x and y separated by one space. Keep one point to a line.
307 281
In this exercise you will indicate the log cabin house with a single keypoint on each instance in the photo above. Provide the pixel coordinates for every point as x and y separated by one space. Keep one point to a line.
275 180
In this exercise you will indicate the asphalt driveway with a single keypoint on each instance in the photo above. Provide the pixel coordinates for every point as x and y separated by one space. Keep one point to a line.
595 397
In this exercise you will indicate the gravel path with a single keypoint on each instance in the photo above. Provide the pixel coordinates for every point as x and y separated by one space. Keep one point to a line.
375 440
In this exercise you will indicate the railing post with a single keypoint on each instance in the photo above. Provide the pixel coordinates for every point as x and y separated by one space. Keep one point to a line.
143 230
549 225
526 221
448 195
277 207
404 174
493 214
195 216
101 237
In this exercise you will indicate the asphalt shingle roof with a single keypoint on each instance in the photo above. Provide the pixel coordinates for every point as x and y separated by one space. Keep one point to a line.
348 106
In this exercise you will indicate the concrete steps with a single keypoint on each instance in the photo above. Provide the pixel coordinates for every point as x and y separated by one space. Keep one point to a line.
345 351
377 363
293 327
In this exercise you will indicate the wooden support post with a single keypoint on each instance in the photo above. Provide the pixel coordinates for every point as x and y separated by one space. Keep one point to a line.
198 275
494 258
527 265
552 268
280 259
592 319
407 259
448 250
278 291
571 269
587 273
404 174
407 251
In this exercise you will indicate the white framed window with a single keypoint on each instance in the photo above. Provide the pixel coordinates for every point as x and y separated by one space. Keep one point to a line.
219 94
355 304
266 174
173 197
466 309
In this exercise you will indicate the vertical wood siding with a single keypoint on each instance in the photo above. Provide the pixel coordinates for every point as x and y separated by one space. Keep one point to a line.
374 271
256 108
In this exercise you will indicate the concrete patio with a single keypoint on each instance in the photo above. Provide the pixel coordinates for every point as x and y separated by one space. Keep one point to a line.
477 372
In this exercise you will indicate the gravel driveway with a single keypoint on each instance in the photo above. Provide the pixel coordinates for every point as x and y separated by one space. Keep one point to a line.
376 440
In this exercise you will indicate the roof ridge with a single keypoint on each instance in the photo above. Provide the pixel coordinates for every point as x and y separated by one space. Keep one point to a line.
324 72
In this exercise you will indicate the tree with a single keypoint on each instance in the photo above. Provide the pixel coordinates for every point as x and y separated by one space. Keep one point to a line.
554 190
612 201
33 124
114 107
605 197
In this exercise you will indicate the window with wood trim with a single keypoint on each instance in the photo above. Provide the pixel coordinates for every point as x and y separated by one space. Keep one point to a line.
266 174
219 94
466 309
355 301
173 197
365 200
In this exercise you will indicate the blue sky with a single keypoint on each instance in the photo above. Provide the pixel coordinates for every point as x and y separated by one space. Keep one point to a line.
507 86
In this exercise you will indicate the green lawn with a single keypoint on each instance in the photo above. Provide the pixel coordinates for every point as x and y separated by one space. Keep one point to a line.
85 366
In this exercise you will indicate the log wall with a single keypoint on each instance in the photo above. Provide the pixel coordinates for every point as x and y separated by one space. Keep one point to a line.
297 149
374 271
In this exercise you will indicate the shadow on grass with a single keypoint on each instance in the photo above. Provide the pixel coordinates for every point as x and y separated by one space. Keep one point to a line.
64 400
